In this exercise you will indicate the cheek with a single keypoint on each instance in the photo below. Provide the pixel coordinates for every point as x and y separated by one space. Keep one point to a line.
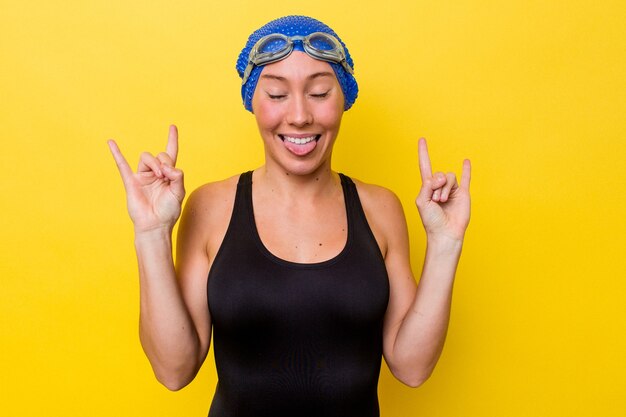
267 115
330 115
332 111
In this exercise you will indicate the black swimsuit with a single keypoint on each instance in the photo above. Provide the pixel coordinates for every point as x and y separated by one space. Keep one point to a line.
295 339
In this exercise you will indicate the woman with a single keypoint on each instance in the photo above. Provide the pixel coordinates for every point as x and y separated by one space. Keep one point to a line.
301 273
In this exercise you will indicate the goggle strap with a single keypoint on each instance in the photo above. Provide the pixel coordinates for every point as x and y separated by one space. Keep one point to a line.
247 72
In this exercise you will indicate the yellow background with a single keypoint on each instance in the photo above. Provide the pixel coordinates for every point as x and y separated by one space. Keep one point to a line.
533 92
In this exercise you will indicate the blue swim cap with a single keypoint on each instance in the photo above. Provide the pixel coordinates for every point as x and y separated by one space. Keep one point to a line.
292 26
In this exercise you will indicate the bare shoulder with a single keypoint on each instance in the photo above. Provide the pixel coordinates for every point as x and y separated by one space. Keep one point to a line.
383 211
377 197
207 213
207 199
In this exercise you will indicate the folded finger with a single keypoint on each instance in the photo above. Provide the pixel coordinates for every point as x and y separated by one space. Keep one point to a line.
165 159
450 183
439 180
148 163
175 176
437 194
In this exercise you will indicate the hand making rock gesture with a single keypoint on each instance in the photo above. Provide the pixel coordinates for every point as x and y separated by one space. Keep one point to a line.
154 194
443 204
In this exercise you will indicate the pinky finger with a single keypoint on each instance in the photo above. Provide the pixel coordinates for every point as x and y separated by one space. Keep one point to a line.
466 174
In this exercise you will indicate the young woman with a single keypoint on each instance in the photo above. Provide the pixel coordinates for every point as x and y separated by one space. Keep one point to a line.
301 274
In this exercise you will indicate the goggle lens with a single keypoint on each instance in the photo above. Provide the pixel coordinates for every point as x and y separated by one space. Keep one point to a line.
322 43
273 44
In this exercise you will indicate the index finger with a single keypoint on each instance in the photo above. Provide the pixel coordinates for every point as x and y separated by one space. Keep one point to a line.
425 169
125 171
172 143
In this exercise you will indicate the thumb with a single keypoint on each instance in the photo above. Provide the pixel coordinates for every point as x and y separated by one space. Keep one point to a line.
429 185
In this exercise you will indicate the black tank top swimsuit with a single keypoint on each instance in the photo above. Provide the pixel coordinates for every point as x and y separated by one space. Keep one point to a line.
295 339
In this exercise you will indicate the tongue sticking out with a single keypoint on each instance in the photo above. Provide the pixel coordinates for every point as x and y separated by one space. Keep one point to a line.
300 150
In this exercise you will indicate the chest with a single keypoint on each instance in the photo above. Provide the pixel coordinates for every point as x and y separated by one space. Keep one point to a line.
286 269
303 237
306 234
253 290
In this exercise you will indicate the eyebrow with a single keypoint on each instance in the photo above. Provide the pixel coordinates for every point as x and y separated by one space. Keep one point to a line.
310 77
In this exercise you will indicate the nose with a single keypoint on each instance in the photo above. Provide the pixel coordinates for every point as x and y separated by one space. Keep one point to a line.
299 113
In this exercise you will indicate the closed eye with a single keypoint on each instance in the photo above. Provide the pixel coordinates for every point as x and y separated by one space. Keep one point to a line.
321 95
276 96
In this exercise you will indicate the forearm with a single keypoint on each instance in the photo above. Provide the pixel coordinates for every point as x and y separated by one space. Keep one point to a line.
167 333
421 336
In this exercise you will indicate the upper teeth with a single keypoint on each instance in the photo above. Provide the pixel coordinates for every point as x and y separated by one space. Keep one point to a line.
299 141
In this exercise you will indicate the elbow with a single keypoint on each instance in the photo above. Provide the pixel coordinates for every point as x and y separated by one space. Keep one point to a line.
414 378
414 382
174 374
174 381
173 384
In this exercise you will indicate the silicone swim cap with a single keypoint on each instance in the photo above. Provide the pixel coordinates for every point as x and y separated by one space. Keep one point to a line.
292 26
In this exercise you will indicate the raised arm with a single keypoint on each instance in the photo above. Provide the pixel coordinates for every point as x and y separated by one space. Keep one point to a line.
417 317
172 326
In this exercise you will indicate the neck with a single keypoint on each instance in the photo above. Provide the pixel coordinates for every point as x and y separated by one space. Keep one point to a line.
290 187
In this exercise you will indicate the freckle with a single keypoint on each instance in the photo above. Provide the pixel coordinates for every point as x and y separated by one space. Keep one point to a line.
317 179
320 244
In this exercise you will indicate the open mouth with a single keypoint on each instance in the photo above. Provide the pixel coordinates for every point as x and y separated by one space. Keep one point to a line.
300 141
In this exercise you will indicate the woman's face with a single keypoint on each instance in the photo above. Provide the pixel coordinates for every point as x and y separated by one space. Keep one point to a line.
298 104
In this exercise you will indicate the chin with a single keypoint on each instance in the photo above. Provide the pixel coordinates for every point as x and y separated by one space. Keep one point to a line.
303 169
302 166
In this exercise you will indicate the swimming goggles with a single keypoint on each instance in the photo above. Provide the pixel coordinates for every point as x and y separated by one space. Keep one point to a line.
276 46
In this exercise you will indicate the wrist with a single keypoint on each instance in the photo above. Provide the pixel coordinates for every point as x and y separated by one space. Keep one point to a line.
444 243
154 234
